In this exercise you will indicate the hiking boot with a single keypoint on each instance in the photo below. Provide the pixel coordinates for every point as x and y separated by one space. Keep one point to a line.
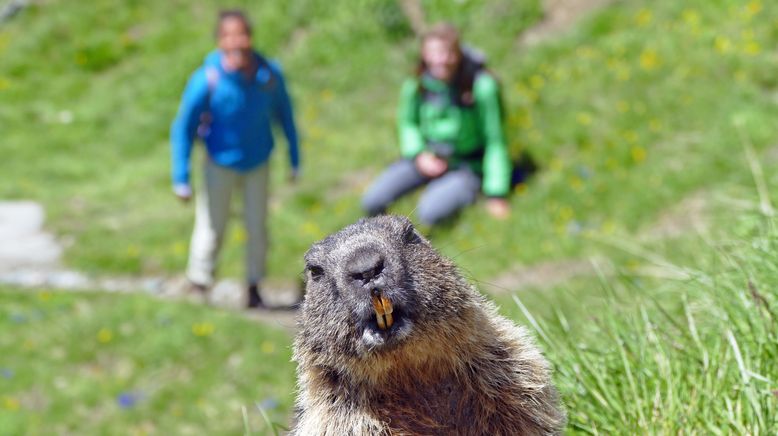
254 300
198 288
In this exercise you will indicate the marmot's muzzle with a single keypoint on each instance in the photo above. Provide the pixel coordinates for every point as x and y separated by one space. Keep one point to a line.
383 309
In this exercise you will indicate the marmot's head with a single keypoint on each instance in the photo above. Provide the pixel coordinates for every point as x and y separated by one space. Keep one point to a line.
375 287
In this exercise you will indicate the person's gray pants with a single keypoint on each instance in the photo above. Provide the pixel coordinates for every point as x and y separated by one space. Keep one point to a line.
212 210
443 196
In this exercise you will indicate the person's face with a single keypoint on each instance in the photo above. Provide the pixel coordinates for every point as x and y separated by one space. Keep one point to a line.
441 58
235 42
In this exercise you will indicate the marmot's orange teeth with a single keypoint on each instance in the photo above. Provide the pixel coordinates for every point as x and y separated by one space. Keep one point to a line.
383 310
388 309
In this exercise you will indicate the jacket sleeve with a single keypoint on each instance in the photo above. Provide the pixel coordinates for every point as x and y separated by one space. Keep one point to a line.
284 114
184 128
411 140
496 164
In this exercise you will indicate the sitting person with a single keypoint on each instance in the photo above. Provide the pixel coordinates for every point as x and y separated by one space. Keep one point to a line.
451 135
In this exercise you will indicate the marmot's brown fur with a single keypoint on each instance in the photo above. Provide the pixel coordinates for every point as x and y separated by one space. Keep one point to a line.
445 363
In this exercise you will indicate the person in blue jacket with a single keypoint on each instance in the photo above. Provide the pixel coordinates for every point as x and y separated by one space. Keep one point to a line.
230 102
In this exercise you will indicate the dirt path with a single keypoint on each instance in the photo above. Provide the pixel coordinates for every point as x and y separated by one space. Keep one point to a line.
30 258
559 17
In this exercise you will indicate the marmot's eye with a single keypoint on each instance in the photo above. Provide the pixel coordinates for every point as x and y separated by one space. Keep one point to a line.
410 236
316 271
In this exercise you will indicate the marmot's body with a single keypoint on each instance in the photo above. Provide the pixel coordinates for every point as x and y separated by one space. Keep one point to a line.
393 340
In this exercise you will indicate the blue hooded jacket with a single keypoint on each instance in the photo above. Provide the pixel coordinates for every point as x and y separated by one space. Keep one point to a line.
239 134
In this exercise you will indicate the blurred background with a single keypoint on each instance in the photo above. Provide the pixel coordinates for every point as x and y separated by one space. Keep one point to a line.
642 252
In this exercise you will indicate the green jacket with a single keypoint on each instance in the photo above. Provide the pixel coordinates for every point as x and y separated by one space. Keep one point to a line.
436 119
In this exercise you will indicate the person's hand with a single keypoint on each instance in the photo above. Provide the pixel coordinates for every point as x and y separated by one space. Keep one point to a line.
498 208
430 165
183 191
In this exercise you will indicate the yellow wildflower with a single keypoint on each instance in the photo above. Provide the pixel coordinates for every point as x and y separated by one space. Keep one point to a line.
133 250
203 329
722 44
643 17
649 59
583 118
268 347
752 48
691 17
536 82
239 235
10 403
311 228
326 95
638 154
104 336
752 8
631 136
179 247
565 213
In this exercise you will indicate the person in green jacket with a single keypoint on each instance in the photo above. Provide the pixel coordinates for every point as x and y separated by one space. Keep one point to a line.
451 135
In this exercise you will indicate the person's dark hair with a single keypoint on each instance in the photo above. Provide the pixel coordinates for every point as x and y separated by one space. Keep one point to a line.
228 14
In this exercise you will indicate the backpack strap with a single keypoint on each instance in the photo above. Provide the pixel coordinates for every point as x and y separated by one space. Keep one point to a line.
212 78
265 74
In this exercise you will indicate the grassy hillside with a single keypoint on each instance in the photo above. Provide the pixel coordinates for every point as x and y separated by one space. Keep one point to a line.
627 114
637 114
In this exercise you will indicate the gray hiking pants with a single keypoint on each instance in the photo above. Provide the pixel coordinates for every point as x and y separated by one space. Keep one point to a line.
442 197
212 210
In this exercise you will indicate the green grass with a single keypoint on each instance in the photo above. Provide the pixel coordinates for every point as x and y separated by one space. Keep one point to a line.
105 364
639 107
634 353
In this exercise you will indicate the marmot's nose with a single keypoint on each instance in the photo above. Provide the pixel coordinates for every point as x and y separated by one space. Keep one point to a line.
365 265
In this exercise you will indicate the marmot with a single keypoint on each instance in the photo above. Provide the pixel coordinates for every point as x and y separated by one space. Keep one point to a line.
393 340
